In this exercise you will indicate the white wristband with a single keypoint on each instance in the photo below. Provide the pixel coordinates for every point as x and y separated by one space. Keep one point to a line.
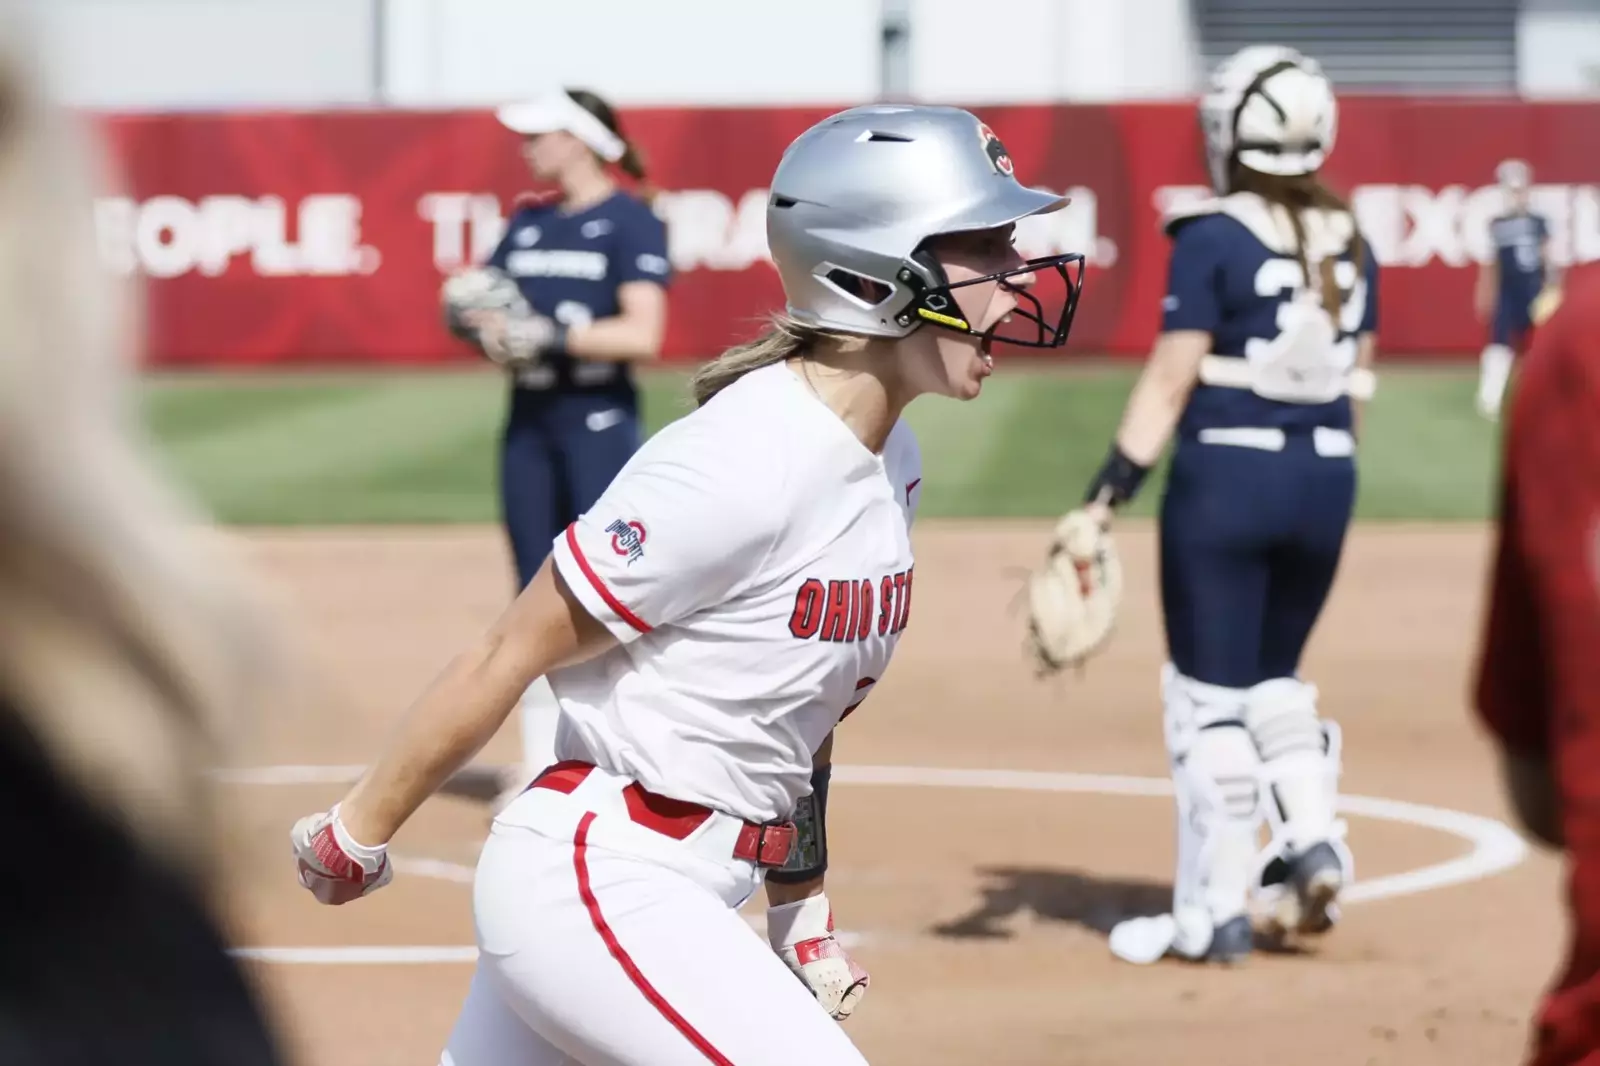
370 858
807 919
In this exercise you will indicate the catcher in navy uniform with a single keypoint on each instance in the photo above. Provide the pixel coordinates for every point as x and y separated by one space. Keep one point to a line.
1266 347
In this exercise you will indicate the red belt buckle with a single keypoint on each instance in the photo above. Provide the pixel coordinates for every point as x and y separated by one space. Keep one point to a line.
765 845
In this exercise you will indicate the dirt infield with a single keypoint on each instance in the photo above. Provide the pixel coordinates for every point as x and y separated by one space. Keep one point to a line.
982 909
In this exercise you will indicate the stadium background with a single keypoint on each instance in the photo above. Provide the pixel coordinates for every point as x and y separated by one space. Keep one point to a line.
293 177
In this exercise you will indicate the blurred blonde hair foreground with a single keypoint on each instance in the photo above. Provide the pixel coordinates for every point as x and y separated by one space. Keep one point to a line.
128 643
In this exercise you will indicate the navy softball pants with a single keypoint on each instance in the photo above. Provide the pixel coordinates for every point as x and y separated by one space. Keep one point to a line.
1250 541
559 452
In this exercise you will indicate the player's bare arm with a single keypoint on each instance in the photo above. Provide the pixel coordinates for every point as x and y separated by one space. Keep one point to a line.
634 335
1159 395
1073 600
544 628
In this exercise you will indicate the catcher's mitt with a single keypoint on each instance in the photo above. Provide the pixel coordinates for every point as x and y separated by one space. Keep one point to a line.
1073 600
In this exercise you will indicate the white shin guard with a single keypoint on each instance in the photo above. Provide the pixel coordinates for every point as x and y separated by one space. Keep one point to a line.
1216 774
1300 756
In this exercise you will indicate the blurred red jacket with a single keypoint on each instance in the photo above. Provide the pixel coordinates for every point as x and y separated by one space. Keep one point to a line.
1538 683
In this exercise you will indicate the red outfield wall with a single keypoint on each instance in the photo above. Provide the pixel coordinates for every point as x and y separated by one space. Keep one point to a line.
314 238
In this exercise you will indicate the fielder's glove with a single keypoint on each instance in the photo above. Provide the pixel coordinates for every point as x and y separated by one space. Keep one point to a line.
484 306
478 289
1074 598
333 867
802 935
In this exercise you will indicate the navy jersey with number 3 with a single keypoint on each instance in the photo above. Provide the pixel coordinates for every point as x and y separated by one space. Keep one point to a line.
569 266
1224 280
1262 482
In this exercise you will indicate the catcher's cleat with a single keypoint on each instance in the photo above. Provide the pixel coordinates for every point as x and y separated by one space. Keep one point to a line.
1232 941
1309 907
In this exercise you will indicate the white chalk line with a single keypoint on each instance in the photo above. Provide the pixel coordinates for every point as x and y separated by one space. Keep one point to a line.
1495 846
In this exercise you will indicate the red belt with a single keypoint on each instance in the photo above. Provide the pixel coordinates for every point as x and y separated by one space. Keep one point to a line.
763 844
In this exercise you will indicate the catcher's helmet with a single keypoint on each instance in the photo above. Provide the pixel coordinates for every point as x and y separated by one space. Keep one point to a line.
856 196
1272 109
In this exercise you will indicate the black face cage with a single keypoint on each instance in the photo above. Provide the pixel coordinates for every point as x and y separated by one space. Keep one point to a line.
937 305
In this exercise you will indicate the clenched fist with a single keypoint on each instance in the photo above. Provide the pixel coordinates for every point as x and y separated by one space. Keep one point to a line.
802 935
333 866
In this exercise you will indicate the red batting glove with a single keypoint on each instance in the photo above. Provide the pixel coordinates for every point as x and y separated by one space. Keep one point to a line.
802 935
333 866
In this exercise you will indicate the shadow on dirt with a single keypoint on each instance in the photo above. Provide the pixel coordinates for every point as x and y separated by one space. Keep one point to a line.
1085 899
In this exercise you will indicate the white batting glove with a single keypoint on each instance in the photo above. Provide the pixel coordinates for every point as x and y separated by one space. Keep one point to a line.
802 935
333 866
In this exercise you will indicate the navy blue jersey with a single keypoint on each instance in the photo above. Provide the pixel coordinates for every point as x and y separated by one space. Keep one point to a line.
1519 249
569 267
1224 280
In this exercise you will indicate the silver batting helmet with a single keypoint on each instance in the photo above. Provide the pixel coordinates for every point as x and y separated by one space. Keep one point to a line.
1272 109
856 196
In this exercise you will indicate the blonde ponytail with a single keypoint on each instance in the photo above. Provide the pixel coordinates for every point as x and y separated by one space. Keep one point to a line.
786 338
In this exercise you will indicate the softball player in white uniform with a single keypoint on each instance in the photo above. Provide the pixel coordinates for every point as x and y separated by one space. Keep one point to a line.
736 591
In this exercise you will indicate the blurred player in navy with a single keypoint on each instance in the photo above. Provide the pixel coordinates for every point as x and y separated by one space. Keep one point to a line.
574 296
1267 337
1510 282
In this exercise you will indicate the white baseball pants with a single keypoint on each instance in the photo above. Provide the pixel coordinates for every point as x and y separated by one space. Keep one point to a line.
603 943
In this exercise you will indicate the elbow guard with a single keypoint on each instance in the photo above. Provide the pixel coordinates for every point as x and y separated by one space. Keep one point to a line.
809 858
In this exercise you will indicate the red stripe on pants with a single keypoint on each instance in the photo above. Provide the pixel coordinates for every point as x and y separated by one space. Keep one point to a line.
580 861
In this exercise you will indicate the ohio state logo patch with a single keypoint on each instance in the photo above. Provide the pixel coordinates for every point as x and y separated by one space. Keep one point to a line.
999 158
627 539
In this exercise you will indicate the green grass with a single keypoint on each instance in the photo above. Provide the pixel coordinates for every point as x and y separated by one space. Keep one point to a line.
300 448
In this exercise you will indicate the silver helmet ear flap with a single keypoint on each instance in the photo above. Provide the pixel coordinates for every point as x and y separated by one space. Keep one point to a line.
929 286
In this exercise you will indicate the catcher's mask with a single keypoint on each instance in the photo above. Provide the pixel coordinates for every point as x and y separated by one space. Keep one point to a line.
933 300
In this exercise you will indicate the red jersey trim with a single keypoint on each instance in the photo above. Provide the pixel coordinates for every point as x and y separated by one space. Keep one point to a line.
611 601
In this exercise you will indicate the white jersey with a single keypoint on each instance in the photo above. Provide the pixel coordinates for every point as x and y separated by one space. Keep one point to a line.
754 560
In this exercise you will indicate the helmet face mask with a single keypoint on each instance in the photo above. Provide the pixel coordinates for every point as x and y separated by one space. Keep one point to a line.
857 197
936 304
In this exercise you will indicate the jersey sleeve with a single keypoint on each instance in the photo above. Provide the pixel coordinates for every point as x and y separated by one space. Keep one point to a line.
680 529
641 249
1194 280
